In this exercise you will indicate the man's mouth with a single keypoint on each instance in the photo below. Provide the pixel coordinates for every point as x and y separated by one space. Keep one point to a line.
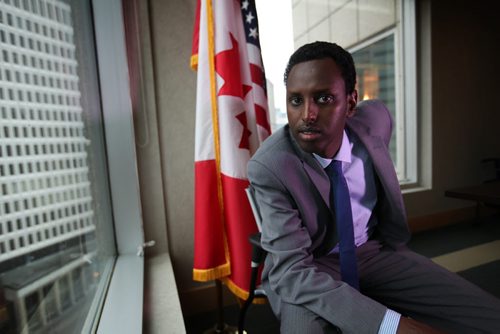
308 133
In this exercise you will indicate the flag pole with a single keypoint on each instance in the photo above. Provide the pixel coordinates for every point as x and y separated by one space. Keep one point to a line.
220 326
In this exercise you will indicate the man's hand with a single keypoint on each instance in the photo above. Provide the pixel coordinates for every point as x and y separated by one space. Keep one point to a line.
411 326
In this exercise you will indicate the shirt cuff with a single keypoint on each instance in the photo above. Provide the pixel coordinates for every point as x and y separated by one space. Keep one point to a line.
390 322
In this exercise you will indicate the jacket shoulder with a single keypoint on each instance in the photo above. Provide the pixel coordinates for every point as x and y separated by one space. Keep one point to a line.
275 155
277 144
375 116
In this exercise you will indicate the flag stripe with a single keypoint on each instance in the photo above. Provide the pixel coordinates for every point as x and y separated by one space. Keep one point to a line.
238 210
261 117
257 75
208 208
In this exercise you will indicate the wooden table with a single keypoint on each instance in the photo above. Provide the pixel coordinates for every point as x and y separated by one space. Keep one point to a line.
484 194
488 193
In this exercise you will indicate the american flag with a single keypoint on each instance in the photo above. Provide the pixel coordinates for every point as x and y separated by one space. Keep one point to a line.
231 122
251 24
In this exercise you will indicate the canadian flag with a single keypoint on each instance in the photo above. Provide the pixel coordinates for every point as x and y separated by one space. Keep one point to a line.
231 122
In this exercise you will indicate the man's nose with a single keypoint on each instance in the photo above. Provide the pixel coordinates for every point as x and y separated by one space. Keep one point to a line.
310 112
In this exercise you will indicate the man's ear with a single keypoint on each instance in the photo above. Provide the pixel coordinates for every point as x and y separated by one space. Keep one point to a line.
352 101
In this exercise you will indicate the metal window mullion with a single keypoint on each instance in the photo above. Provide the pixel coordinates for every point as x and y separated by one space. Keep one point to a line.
33 105
62 204
30 70
36 88
44 242
46 226
29 34
37 18
121 312
400 110
410 90
27 122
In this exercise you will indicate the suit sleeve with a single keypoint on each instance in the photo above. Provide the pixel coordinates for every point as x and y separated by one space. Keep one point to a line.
292 272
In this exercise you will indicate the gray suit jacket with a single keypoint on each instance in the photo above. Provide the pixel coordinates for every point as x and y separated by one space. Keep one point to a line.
292 192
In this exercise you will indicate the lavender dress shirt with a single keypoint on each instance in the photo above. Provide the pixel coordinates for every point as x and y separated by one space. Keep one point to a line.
358 172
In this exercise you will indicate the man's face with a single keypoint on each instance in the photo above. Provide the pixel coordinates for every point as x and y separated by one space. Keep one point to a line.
318 106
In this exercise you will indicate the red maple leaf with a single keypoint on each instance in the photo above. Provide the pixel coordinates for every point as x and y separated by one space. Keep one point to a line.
244 141
227 65
261 117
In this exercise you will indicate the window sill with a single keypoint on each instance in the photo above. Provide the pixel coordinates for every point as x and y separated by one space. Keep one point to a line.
161 299
413 188
122 312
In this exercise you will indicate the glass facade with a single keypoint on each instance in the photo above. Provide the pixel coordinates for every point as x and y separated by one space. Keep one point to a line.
56 236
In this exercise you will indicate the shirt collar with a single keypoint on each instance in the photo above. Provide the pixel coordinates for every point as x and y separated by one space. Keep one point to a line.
344 153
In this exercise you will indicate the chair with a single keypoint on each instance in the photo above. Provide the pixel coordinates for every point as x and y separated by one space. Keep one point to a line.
492 165
491 173
485 194
258 256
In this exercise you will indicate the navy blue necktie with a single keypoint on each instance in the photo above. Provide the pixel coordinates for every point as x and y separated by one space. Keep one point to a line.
341 205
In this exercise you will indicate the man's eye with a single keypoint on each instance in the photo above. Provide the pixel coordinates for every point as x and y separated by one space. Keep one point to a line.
295 100
324 99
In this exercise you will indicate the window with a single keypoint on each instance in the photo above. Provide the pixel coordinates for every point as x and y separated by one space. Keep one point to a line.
57 243
380 34
376 78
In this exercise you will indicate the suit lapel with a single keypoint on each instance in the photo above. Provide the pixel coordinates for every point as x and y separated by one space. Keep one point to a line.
319 178
317 175
379 154
314 170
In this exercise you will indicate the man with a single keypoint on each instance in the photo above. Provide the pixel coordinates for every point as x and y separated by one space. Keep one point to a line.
389 288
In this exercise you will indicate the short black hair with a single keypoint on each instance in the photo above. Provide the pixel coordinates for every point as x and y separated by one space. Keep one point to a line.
321 50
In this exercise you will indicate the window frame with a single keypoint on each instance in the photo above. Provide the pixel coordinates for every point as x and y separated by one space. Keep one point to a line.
409 64
111 310
118 312
405 90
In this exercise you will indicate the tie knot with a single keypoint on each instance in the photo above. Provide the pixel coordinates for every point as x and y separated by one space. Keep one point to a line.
335 167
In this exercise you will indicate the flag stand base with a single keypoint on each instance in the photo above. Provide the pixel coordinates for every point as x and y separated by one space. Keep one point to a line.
220 326
225 329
